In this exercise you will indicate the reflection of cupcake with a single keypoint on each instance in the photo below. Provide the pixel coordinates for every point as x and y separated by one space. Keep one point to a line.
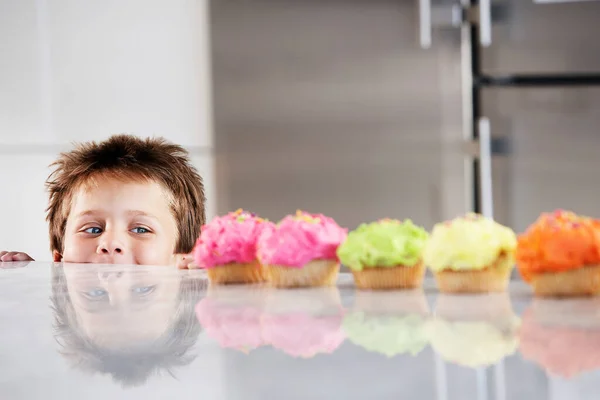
227 248
471 254
390 323
474 331
385 254
304 322
563 336
301 251
232 316
559 255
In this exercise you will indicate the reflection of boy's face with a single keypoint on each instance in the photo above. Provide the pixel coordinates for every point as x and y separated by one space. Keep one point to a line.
116 307
117 222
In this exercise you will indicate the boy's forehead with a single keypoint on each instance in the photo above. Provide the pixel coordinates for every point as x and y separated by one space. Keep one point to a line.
147 195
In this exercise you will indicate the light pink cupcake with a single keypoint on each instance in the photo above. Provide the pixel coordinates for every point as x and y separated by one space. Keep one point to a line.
232 316
304 322
227 248
300 251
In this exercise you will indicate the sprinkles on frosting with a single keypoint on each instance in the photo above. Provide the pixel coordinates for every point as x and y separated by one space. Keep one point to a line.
562 219
242 216
306 217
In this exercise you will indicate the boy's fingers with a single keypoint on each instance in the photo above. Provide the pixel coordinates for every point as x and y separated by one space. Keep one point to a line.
14 264
193 265
8 256
22 257
187 262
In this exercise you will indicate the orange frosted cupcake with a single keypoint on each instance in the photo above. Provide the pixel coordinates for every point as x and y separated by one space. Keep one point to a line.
562 335
559 255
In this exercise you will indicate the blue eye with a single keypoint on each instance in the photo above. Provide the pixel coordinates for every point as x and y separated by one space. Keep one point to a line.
93 230
95 293
140 229
142 290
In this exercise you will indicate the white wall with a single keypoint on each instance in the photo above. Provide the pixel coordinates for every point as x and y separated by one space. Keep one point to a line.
76 70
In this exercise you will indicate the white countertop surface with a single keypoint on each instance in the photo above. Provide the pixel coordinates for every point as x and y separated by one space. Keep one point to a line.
128 332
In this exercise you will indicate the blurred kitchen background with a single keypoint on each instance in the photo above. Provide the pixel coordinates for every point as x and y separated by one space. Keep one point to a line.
359 109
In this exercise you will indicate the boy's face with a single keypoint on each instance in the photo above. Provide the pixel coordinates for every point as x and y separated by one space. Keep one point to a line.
118 307
117 222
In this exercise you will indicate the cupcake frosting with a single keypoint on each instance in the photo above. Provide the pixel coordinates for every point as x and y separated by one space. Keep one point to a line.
385 243
302 335
298 239
473 344
233 327
304 322
558 241
564 350
389 335
229 239
471 242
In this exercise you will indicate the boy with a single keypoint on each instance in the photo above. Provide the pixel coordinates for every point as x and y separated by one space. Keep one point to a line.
126 323
123 201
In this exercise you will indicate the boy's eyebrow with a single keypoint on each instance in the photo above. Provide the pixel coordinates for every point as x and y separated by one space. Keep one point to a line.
88 212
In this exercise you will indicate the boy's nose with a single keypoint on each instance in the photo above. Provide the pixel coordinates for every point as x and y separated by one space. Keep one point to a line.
110 250
110 246
109 276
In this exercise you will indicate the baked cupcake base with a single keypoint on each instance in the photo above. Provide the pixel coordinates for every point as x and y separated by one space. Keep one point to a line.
474 331
389 278
315 273
235 273
584 281
490 279
391 303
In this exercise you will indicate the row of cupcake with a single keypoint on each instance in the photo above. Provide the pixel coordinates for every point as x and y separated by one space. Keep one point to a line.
461 329
299 251
559 255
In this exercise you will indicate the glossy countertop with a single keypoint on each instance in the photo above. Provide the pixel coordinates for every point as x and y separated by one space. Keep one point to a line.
132 332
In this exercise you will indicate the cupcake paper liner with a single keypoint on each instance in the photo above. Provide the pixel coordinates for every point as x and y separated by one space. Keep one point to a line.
583 281
389 278
490 279
315 273
237 273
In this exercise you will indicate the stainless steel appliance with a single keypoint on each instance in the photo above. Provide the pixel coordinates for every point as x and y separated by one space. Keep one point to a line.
422 109
537 82
332 106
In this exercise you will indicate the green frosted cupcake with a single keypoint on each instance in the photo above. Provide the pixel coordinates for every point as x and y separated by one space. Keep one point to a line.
386 254
388 335
389 323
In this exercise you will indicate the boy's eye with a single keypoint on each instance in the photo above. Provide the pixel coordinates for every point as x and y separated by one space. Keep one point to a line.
142 290
93 230
95 293
140 229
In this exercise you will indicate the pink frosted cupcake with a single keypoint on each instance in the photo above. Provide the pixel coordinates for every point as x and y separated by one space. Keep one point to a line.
300 251
304 322
232 317
227 248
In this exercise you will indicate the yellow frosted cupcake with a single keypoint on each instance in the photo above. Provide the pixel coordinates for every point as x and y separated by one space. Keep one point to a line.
471 254
474 333
385 254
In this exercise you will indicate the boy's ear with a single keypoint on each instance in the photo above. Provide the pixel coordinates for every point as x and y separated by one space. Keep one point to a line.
56 256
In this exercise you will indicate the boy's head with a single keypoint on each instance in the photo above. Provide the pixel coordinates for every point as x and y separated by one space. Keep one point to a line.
128 323
124 201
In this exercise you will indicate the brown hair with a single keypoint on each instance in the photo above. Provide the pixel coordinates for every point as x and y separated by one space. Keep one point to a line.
135 365
127 157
